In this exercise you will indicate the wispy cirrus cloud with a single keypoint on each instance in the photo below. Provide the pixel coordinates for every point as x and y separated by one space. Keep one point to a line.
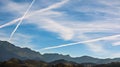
36 12
62 30
21 40
102 25
108 23
21 20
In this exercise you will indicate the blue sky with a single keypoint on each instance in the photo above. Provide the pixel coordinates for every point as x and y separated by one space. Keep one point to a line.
74 27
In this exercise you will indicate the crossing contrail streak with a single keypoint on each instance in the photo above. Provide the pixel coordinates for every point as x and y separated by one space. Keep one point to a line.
21 19
87 41
56 5
10 23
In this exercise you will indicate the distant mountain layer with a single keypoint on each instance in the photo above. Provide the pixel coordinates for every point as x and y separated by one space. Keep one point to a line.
58 63
8 51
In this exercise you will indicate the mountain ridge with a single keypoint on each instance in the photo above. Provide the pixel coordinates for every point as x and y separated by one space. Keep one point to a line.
8 51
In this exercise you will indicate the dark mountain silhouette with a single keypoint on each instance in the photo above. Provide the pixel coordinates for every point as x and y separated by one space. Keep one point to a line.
8 51
83 59
86 59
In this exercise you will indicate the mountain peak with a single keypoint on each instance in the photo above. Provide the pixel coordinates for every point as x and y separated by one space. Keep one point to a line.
86 57
8 51
63 61
3 42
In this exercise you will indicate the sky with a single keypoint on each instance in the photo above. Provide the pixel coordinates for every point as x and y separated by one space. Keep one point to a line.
74 27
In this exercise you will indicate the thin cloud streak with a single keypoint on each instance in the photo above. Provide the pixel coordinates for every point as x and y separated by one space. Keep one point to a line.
10 23
88 41
21 20
35 12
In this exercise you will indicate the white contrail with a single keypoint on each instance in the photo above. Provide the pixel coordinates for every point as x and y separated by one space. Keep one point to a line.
87 41
21 19
10 23
35 12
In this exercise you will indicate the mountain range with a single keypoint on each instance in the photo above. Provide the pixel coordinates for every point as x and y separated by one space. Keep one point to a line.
8 51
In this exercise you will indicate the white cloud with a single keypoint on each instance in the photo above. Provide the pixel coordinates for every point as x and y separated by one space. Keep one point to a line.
14 7
93 46
3 36
75 31
21 20
110 3
86 42
51 25
116 44
21 40
94 26
114 55
96 47
64 32
101 9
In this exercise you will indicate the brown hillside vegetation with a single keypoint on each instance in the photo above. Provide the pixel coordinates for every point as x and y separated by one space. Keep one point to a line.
58 63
